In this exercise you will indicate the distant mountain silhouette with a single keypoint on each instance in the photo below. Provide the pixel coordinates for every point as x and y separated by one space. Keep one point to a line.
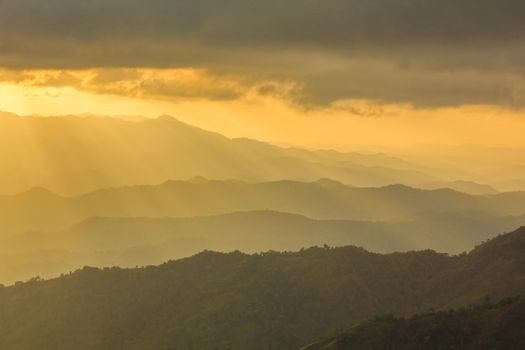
469 187
263 301
325 199
512 185
72 155
39 193
128 242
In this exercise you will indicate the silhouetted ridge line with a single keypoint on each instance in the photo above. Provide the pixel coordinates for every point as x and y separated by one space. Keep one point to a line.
89 153
482 327
239 301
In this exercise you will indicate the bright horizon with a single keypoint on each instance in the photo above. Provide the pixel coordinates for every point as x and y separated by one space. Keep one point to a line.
341 126
262 174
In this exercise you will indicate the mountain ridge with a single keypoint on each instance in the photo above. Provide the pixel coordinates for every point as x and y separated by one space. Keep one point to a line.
322 199
71 155
239 301
482 327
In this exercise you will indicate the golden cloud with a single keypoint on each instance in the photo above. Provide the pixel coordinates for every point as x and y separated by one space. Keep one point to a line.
170 84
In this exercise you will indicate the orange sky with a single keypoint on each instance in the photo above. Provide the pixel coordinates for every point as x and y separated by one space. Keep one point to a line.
342 125
331 73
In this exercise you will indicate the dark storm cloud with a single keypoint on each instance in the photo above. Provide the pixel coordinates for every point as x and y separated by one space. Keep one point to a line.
427 52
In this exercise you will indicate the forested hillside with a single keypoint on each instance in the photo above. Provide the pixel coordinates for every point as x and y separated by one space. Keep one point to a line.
128 242
262 301
486 327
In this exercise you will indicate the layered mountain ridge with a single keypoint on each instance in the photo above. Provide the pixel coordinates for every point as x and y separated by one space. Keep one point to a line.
238 301
325 199
73 155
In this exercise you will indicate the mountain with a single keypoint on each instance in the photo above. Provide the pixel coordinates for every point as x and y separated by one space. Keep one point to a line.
484 327
502 168
512 185
325 199
262 301
73 155
469 187
266 230
130 242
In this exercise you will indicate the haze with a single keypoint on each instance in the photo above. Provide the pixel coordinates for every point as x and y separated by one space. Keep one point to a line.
262 174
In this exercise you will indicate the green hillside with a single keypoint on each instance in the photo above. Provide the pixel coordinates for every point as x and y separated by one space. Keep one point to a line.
262 301
484 327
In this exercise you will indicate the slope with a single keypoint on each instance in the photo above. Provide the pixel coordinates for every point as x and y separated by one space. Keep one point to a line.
237 301
72 155
129 242
484 327
324 199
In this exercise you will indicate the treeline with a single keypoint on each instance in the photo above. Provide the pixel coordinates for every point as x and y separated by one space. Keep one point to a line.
484 327
262 301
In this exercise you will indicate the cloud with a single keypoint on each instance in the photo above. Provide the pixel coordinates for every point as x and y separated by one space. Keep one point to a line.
428 53
168 84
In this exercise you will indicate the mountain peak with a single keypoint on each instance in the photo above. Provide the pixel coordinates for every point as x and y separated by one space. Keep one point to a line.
7 115
166 117
198 180
39 192
505 245
327 182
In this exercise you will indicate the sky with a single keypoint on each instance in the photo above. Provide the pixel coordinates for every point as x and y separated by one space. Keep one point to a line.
317 73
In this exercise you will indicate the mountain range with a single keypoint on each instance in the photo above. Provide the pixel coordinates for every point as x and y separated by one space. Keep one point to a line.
39 209
45 234
139 241
73 155
262 301
482 327
160 211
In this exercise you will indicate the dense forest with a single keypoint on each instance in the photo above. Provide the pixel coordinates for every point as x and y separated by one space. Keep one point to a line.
260 301
484 327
